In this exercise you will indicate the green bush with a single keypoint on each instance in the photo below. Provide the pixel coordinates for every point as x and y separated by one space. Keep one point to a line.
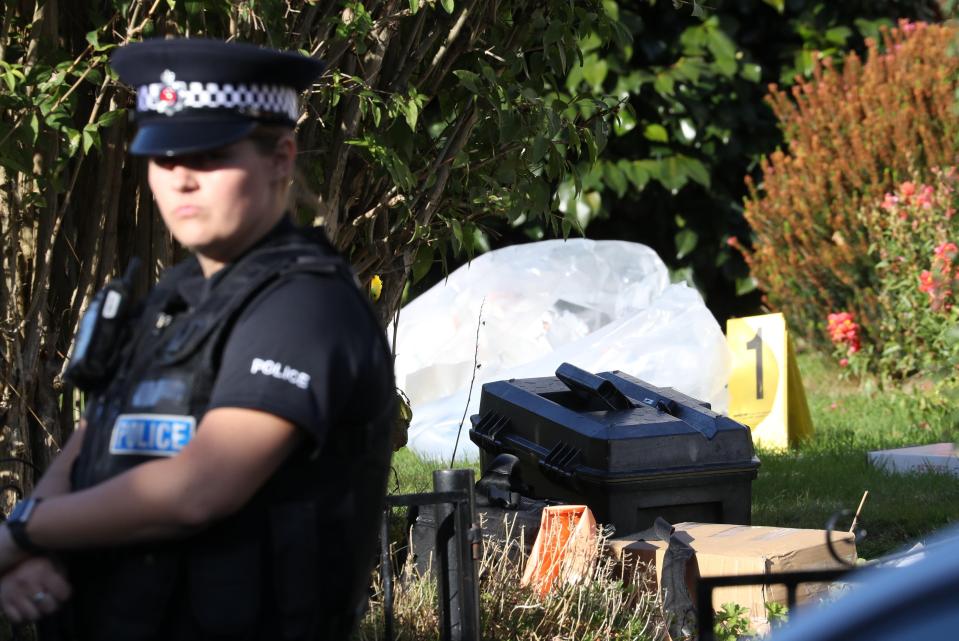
694 122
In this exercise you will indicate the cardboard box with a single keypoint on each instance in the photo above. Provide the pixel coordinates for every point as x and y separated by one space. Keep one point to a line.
727 550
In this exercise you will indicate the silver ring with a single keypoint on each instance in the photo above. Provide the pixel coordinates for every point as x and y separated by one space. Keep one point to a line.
39 596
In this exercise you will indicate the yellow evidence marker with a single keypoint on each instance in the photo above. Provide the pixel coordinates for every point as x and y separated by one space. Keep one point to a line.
765 388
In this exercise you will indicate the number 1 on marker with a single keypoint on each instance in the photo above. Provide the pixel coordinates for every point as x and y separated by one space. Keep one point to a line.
757 344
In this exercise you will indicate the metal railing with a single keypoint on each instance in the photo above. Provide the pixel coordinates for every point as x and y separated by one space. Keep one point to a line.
457 550
704 590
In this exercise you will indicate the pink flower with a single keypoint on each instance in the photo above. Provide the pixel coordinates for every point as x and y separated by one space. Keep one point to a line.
843 330
907 189
890 202
843 362
946 251
924 199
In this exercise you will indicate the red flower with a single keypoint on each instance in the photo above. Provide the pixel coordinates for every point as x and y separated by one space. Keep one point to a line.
844 331
926 284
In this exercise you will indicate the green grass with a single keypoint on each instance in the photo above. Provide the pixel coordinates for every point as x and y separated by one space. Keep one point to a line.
802 488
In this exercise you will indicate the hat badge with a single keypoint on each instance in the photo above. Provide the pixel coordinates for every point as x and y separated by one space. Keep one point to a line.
169 99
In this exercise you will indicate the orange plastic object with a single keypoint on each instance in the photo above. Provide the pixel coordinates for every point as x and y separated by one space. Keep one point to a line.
565 547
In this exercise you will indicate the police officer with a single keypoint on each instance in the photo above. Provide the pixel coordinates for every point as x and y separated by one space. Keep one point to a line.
229 473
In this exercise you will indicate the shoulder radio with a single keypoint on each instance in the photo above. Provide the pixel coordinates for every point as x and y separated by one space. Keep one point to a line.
100 335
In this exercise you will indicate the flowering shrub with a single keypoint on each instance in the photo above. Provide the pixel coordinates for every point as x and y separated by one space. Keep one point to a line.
940 282
844 332
854 135
913 233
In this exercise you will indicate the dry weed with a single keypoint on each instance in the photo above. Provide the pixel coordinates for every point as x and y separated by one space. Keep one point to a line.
608 603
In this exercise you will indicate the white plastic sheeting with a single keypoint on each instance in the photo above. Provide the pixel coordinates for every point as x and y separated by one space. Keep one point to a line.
600 305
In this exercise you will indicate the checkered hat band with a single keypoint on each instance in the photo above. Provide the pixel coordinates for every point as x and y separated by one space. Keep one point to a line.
211 95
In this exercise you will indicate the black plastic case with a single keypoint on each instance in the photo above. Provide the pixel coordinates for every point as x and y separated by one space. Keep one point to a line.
627 449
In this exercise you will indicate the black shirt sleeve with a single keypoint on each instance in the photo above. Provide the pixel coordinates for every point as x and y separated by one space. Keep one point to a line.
307 351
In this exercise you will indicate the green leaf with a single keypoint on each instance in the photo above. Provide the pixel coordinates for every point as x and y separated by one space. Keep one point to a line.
422 263
414 6
625 121
693 39
595 70
538 150
73 140
745 285
838 35
686 241
723 50
803 60
561 52
656 133
664 84
615 178
111 117
720 45
91 138
752 72
696 170
468 79
599 135
34 127
457 235
636 172
690 69
412 113
448 5
672 173
479 239
93 37
778 5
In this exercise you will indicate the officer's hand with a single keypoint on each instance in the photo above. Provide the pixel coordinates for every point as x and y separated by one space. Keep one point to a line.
33 589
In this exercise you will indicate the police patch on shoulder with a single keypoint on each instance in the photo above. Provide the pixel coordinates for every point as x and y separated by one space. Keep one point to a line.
151 434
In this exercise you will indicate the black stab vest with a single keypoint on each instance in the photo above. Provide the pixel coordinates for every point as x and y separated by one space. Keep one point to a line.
291 564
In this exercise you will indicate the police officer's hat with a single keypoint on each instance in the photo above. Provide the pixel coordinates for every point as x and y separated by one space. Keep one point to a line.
197 94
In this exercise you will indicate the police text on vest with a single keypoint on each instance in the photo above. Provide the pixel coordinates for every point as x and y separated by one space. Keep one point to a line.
151 434
280 371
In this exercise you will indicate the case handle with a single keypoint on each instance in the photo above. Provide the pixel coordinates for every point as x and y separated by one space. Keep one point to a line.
586 383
